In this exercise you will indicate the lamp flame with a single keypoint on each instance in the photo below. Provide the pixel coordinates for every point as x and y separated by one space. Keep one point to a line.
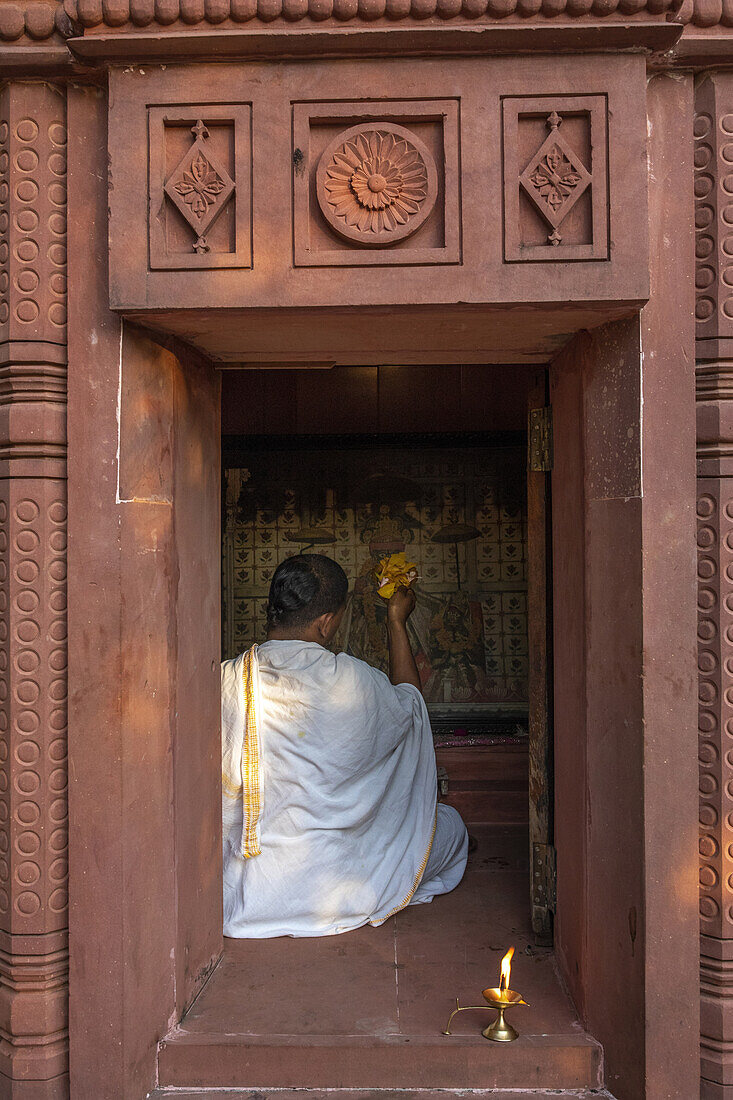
506 970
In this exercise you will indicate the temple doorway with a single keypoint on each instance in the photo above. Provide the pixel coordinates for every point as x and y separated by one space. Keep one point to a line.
433 462
362 462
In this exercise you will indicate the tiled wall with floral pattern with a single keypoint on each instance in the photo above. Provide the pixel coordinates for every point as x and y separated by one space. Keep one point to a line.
469 629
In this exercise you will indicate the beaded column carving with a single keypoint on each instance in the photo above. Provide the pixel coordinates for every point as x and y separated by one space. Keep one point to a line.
33 686
714 311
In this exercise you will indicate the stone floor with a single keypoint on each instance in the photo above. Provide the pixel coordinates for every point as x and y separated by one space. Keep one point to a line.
366 1010
380 1094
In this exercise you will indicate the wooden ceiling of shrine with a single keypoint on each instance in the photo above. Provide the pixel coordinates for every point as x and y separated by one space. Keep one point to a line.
381 400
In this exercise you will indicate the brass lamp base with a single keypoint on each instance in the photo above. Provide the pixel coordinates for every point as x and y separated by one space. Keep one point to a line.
500 1031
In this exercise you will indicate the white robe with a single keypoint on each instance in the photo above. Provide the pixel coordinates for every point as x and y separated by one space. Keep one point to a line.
346 803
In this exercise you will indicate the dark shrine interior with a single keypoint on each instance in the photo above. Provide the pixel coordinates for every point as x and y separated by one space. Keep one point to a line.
363 462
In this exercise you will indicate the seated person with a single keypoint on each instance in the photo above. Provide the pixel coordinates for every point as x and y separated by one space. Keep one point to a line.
330 809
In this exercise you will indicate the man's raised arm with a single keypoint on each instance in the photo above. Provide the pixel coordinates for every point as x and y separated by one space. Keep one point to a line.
402 667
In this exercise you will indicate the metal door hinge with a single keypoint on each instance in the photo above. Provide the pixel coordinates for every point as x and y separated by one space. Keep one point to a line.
544 876
540 439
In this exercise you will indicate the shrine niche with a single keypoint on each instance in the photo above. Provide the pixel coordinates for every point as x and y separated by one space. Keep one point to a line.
382 190
555 178
459 512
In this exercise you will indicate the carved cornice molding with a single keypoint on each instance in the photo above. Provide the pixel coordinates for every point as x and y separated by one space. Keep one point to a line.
39 29
110 29
91 14
706 13
34 22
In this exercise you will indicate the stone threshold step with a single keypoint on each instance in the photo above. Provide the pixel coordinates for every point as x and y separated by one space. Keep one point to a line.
192 1060
380 1094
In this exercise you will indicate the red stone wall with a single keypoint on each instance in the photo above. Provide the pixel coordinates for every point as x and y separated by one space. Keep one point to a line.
144 628
144 620
624 624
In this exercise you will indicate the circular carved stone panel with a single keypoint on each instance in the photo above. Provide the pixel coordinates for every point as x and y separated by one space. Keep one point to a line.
376 184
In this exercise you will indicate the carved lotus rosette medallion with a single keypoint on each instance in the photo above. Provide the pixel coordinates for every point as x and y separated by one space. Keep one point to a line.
376 184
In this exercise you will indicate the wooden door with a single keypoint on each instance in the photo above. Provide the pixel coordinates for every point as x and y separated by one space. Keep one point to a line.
541 850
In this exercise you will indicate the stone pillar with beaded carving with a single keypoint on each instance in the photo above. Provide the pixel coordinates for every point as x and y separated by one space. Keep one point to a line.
714 353
33 684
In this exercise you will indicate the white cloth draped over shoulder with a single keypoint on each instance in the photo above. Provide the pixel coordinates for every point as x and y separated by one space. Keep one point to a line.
341 802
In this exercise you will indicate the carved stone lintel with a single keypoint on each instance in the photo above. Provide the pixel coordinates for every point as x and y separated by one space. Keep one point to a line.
33 681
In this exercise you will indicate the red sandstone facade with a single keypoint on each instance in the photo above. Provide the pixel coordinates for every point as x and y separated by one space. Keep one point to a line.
118 302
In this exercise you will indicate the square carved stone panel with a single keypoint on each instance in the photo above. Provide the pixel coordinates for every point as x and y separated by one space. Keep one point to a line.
376 183
555 178
200 207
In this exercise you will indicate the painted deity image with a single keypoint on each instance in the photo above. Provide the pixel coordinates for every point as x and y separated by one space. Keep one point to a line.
458 512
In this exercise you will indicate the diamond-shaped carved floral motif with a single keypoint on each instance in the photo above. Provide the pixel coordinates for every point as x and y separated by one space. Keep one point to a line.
199 186
555 178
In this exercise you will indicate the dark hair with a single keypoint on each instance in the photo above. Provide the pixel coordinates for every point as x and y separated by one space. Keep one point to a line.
303 588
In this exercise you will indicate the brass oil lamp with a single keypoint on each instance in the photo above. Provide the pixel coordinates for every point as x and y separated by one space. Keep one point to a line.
497 999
